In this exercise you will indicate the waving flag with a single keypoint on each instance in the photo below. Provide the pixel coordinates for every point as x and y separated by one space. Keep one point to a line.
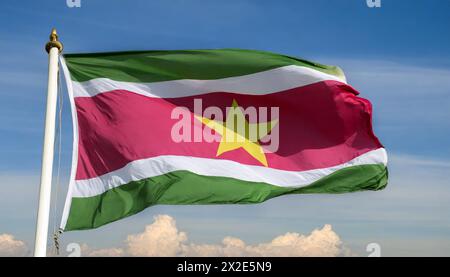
211 127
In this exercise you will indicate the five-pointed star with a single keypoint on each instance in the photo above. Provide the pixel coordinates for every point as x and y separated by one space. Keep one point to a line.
245 137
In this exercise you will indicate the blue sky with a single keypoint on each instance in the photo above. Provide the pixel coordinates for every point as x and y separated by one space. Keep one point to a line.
397 56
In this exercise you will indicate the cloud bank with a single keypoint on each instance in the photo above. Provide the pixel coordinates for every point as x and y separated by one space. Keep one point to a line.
10 247
162 238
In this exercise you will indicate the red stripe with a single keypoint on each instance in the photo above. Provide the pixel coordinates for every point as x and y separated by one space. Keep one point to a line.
321 125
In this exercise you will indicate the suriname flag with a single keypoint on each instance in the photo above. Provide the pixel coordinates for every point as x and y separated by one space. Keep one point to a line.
225 126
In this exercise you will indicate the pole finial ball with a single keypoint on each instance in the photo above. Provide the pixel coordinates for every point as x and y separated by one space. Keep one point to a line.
54 42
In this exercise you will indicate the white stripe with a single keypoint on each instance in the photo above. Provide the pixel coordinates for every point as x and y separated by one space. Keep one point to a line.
146 168
68 202
266 82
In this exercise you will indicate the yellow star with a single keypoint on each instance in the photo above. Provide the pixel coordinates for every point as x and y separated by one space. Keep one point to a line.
237 133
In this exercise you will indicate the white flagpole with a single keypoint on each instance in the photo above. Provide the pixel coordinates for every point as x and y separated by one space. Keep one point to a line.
53 47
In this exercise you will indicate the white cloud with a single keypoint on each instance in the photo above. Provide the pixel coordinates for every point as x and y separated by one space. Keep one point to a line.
321 242
162 238
107 252
409 160
10 247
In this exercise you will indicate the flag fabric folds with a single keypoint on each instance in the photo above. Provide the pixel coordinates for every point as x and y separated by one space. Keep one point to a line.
211 127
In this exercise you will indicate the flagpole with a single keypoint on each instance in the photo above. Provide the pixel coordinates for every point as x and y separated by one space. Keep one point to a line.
53 48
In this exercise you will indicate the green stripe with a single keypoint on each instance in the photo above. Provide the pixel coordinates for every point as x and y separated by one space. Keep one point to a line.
184 187
157 66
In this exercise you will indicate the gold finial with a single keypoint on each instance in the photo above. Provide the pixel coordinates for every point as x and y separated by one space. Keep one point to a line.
54 42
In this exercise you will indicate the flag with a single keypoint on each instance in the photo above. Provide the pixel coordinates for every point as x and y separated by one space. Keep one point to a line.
211 127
